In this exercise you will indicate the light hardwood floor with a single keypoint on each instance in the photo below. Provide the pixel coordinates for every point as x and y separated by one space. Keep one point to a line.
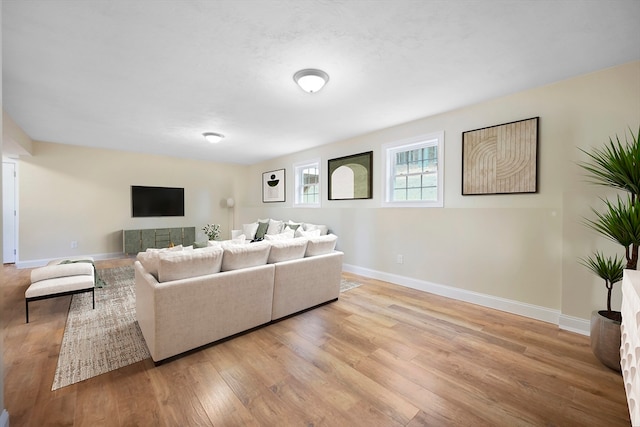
382 355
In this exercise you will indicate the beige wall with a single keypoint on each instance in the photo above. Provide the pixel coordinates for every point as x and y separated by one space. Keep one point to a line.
518 247
69 193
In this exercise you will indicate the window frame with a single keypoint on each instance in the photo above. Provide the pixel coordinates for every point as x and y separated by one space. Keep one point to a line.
435 139
298 184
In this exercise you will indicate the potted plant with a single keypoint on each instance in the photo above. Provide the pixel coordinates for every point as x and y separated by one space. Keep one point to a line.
617 166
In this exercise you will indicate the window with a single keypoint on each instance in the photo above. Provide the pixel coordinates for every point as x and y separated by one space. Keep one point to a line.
307 184
414 172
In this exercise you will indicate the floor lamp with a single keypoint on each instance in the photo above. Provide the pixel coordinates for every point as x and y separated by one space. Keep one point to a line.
230 204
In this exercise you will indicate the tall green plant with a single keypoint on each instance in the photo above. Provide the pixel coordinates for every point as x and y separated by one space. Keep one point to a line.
617 165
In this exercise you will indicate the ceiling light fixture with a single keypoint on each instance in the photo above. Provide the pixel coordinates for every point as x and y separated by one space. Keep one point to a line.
311 80
213 137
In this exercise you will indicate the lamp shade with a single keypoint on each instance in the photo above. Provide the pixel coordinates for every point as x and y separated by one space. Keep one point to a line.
230 202
311 80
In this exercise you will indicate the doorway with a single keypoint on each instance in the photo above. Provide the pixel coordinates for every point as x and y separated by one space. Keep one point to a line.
9 213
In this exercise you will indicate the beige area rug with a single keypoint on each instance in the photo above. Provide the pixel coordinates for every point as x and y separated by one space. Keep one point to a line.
107 338
346 285
101 340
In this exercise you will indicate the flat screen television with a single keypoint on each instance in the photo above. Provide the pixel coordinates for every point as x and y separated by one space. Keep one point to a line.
156 201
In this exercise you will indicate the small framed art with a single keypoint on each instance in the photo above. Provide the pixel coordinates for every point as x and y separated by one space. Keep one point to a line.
351 177
273 186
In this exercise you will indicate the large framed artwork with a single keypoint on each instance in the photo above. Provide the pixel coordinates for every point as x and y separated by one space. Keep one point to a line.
501 159
351 177
273 186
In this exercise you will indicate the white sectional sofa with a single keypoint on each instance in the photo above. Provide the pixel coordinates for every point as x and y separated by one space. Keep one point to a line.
187 298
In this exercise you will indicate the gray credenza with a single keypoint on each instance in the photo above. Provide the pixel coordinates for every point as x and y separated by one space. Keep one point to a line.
134 241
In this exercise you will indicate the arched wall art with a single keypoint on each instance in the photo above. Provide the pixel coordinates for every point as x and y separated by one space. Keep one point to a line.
351 177
501 159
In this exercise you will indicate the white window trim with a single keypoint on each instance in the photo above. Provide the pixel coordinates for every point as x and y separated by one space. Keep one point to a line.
387 180
296 196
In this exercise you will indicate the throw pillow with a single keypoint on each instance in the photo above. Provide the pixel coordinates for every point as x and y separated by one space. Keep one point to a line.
280 236
324 230
293 225
262 230
200 245
312 233
275 227
249 230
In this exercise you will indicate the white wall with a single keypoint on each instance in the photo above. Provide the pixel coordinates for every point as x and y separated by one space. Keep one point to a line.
522 248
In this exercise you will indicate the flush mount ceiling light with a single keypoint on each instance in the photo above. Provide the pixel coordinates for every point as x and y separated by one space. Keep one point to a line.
213 137
311 80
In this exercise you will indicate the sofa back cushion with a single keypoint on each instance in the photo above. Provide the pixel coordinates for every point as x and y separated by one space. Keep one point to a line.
285 250
184 264
321 245
150 258
247 255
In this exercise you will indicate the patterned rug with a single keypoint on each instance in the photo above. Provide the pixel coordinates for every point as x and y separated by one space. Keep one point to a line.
101 340
346 285
107 338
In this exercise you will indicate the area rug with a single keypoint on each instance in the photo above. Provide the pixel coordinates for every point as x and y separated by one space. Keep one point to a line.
346 285
101 340
107 338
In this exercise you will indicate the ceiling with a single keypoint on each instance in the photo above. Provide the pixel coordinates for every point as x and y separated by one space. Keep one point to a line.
152 76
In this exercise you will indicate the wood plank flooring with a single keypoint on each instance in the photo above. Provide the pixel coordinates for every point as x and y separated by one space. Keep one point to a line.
382 355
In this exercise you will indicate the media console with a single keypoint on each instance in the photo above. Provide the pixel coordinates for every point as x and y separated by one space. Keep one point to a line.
134 241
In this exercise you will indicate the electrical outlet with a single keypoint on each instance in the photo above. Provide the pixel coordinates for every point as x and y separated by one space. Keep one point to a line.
74 244
400 259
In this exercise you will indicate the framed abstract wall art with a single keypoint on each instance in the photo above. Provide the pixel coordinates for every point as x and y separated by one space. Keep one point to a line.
273 186
501 159
351 177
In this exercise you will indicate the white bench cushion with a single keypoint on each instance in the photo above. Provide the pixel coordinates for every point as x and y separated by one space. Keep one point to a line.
60 284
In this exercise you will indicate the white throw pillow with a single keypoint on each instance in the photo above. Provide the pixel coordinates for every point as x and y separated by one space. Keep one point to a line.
185 264
249 230
285 250
275 227
310 227
312 233
321 245
285 235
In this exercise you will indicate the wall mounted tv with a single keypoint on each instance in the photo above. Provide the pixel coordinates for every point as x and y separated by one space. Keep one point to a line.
156 201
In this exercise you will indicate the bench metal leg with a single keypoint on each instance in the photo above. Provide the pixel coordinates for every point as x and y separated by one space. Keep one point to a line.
26 301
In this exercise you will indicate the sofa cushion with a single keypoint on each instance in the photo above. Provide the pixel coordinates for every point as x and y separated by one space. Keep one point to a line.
285 250
321 245
242 256
181 265
149 259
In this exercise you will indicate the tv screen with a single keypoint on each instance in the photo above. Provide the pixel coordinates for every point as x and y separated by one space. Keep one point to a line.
157 201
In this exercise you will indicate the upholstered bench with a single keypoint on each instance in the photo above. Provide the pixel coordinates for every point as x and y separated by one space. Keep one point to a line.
60 278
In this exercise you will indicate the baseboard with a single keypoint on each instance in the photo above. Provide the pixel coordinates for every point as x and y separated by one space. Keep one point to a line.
572 324
575 324
41 262
4 418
